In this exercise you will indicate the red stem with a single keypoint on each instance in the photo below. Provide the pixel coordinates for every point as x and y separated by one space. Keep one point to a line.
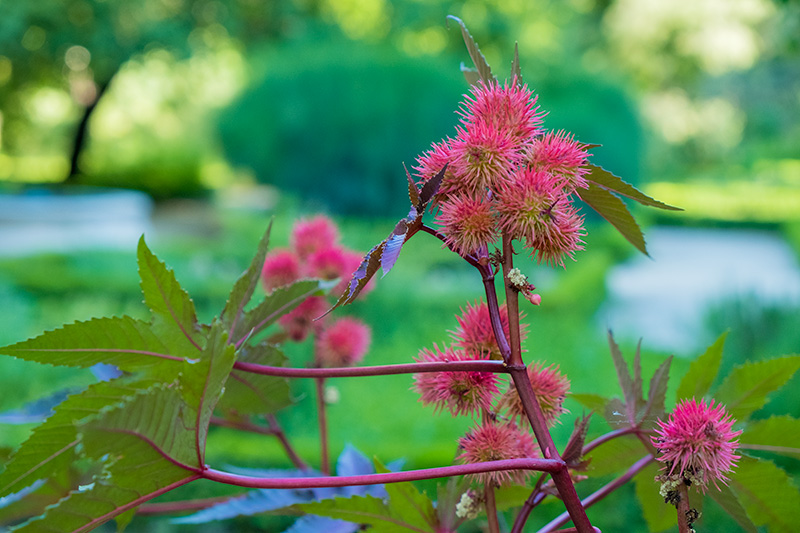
683 509
324 460
281 436
541 465
601 493
379 370
491 508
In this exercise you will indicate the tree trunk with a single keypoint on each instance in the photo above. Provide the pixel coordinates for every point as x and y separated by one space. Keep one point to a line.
79 141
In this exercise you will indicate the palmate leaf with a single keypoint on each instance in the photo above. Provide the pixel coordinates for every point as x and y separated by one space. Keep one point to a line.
614 211
605 179
697 381
747 387
475 54
470 74
614 456
245 286
394 243
247 393
656 395
125 342
51 447
367 510
725 498
768 495
410 505
573 451
658 515
174 315
777 434
631 388
594 402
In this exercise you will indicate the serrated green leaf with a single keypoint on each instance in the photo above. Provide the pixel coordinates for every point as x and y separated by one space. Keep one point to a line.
50 448
657 394
614 456
778 434
516 73
659 516
746 388
245 286
128 343
607 180
254 394
768 495
624 378
614 211
474 52
697 381
276 304
408 504
726 499
594 402
360 510
174 315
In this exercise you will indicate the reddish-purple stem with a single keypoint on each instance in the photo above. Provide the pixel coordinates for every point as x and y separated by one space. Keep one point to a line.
379 370
541 465
682 508
491 508
325 464
607 437
601 493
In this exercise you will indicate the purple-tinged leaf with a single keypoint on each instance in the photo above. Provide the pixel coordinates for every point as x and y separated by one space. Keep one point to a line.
5 501
778 434
607 180
625 380
638 383
730 503
614 211
369 266
516 72
616 415
702 372
656 396
748 386
474 52
253 503
413 191
352 462
573 451
430 188
105 372
470 74
394 243
36 411
174 316
315 524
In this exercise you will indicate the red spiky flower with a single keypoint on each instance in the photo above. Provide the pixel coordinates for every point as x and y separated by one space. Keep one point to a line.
551 388
494 442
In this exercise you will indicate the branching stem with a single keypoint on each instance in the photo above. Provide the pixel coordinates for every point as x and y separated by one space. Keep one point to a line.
324 460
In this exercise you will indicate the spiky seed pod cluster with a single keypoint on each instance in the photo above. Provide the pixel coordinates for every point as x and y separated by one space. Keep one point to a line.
507 174
315 252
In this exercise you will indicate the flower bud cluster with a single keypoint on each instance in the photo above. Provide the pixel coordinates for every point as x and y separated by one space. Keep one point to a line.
507 175
315 252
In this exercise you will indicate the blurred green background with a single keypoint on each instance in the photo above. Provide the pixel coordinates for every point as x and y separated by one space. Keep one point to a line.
228 113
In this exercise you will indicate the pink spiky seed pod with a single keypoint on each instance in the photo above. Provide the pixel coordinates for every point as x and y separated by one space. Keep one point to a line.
551 388
697 443
299 322
534 208
460 392
311 235
468 222
483 157
492 441
281 267
510 108
560 154
475 334
343 342
335 262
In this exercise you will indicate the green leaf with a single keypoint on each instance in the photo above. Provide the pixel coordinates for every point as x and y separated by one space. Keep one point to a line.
125 342
725 498
173 310
697 381
614 211
253 394
474 52
362 510
625 381
778 434
614 456
594 402
51 447
746 388
657 394
408 504
607 180
516 73
276 304
245 286
659 516
768 495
